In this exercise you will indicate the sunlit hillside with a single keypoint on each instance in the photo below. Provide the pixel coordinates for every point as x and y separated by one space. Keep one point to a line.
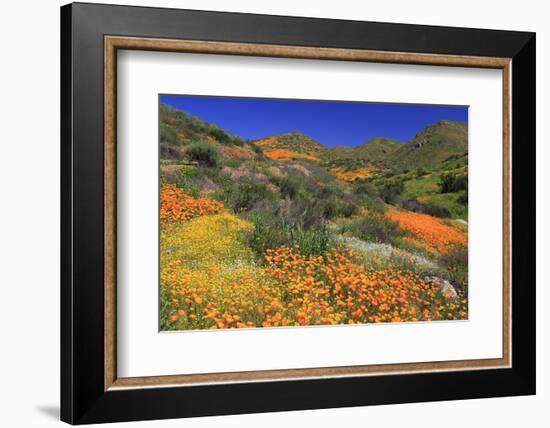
283 231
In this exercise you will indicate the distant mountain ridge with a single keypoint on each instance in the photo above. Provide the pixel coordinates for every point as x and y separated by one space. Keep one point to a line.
435 144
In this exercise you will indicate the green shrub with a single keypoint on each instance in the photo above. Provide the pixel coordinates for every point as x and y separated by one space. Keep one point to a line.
257 149
219 177
187 183
463 198
168 134
290 185
368 196
461 183
420 172
391 191
309 211
253 166
311 242
238 141
347 208
330 208
170 152
304 210
362 188
373 204
436 210
455 262
311 203
248 193
411 204
220 135
446 182
451 182
427 208
233 163
331 189
204 153
272 231
374 227
336 207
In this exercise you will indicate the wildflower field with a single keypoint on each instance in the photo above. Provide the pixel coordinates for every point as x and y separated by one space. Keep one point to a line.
284 232
210 278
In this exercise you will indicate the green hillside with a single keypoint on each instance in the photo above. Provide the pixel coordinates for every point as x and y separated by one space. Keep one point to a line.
414 176
373 150
292 145
178 127
180 131
435 144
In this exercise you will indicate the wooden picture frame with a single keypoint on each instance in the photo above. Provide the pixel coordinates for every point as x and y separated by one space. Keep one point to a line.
91 390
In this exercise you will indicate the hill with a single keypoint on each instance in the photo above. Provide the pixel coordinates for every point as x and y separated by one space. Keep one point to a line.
178 130
352 163
292 145
178 127
435 144
373 150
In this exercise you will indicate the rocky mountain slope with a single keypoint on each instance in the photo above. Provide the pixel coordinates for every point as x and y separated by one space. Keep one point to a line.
435 144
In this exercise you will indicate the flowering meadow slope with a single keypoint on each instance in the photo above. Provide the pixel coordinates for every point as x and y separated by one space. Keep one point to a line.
211 280
284 232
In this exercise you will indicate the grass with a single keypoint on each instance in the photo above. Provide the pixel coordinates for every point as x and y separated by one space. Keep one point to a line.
455 261
271 231
373 227
427 189
426 185
450 201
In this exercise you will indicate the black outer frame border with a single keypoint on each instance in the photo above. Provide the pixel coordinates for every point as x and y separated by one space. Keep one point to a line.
83 399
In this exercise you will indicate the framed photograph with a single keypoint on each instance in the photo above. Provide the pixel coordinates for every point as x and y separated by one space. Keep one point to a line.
267 213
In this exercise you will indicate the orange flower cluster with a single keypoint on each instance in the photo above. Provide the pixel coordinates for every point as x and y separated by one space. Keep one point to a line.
294 290
353 174
175 205
285 154
338 289
428 232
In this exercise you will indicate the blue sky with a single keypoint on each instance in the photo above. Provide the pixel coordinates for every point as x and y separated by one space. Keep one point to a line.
331 123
